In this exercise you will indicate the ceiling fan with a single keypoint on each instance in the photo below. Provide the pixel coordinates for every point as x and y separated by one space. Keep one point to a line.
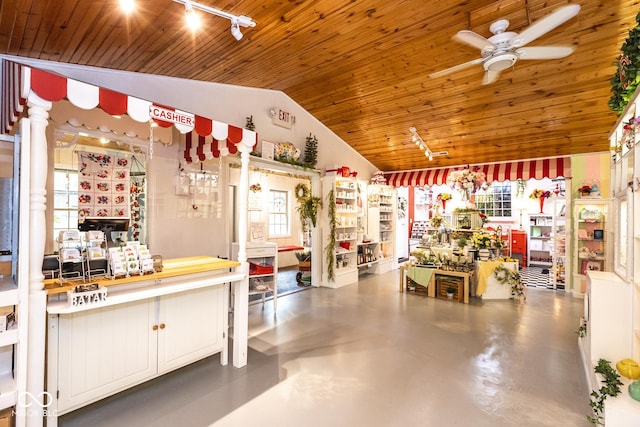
504 48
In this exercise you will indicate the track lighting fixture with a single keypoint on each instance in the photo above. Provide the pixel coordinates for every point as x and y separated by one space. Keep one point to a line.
235 29
127 6
236 21
415 137
193 20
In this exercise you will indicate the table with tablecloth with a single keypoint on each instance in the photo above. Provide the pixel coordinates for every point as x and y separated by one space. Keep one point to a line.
488 286
424 276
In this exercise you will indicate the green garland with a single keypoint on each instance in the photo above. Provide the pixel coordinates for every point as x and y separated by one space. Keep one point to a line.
611 387
330 249
504 276
627 78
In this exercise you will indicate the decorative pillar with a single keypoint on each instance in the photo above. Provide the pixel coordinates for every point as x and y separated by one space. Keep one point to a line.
38 115
241 288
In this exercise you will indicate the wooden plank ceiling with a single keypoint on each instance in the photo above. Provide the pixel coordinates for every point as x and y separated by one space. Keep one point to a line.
361 67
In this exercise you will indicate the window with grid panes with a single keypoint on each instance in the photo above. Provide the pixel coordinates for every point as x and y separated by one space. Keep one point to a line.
278 213
495 201
65 200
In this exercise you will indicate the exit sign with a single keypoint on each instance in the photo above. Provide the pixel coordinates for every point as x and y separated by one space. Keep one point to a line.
282 118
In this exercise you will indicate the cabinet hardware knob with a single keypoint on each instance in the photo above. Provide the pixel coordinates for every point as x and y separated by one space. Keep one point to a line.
161 325
155 327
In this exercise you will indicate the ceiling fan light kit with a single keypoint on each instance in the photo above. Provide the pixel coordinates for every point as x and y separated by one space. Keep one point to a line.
505 48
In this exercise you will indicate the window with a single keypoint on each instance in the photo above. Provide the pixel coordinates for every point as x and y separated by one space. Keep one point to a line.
278 213
495 201
65 200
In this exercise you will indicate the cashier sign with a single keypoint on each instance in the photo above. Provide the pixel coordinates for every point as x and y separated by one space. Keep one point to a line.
173 116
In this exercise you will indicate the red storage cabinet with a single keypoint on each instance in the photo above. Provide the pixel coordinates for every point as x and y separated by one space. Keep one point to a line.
519 246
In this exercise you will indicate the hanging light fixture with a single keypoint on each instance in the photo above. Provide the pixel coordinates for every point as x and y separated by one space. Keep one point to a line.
415 137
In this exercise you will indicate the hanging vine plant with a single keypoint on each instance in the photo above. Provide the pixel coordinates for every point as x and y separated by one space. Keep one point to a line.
308 205
626 79
330 249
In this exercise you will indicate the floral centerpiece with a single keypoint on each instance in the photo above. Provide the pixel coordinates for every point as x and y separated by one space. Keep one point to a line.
255 188
443 197
466 181
539 194
482 240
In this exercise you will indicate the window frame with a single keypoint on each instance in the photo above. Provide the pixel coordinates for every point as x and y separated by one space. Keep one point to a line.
506 213
283 230
69 196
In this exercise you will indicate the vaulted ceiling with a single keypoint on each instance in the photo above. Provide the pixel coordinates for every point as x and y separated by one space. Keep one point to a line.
361 67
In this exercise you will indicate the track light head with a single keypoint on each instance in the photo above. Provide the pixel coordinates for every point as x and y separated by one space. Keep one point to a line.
235 29
193 20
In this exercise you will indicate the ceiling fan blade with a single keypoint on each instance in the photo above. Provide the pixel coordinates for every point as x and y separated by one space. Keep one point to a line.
490 77
456 68
544 52
473 39
545 25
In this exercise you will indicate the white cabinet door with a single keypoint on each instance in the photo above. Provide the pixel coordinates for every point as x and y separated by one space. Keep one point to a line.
105 350
192 325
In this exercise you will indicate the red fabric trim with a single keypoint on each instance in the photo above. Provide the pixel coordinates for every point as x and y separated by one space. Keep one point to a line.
48 86
203 125
113 103
215 150
200 150
187 148
527 169
234 135
233 148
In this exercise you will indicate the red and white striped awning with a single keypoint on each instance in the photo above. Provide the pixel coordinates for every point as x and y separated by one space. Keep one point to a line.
511 171
19 80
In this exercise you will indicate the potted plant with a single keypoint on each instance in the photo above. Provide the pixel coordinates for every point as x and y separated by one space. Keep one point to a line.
451 290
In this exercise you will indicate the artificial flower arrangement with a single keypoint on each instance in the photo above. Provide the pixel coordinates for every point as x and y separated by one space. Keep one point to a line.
436 221
540 194
467 179
483 239
255 188
585 189
423 257
444 196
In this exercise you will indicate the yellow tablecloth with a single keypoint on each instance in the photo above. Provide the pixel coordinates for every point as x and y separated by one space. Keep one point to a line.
420 275
486 269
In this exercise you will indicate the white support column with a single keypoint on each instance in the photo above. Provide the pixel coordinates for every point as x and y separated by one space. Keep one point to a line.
38 115
241 288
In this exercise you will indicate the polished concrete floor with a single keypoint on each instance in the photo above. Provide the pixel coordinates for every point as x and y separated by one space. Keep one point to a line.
367 355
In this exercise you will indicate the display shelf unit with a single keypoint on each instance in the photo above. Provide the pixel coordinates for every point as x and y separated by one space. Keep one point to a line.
95 244
345 266
71 260
560 244
14 273
381 217
592 240
263 269
367 254
540 242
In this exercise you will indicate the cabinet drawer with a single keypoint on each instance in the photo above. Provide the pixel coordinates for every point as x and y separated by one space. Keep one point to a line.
260 252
